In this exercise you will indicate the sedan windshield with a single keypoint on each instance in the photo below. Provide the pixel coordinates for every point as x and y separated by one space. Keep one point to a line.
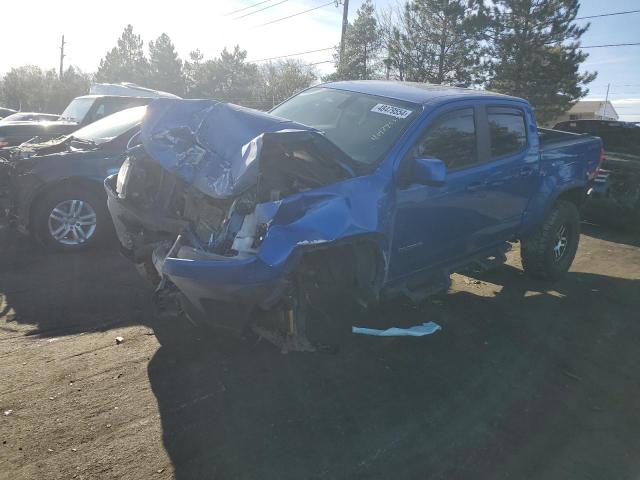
112 126
363 126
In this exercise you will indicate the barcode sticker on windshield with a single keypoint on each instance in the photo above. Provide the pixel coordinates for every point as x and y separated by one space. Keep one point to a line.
391 110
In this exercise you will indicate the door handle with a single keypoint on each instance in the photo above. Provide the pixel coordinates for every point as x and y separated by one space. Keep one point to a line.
474 186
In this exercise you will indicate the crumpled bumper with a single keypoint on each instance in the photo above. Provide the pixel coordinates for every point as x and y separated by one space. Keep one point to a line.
204 278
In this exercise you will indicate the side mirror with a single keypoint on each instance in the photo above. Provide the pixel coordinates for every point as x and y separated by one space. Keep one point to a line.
429 171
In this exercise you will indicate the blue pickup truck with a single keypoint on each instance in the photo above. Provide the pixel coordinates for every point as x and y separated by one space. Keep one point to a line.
367 189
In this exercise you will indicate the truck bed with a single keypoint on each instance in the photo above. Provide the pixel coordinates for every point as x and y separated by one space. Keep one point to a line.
550 138
569 156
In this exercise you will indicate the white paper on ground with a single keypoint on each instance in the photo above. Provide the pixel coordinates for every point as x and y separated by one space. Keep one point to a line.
426 328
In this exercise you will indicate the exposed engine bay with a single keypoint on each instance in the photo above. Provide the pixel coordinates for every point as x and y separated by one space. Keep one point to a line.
217 203
226 226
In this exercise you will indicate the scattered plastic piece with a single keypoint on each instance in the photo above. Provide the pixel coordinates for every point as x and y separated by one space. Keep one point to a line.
8 412
426 328
119 340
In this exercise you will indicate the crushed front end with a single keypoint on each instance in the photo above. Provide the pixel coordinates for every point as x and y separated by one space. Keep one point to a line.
216 201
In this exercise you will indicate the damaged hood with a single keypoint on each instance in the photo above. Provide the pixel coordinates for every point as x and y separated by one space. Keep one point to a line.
216 146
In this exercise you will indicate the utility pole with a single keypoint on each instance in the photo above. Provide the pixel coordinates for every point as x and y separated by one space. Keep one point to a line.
62 58
606 99
345 22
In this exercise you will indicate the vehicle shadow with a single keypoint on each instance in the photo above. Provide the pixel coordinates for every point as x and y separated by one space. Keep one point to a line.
626 237
56 294
524 377
486 397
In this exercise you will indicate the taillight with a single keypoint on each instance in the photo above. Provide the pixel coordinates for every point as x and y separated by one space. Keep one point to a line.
598 168
601 160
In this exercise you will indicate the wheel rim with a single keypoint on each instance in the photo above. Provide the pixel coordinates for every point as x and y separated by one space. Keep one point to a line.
562 239
72 222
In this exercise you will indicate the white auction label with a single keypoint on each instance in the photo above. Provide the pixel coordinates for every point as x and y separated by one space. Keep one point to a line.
391 110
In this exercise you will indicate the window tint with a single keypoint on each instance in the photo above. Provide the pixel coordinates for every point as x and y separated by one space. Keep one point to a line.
452 139
507 130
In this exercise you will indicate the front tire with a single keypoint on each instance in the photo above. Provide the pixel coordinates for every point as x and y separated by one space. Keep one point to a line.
548 252
70 219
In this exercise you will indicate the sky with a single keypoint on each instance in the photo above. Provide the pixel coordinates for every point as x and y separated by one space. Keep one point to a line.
209 25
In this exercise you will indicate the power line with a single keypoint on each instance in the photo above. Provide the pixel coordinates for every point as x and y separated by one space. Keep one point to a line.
260 9
608 14
611 45
291 55
248 7
296 14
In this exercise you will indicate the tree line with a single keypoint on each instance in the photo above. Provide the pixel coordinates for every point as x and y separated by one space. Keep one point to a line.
525 48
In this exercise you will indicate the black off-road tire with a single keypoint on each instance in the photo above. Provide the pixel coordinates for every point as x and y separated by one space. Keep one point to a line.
39 226
537 250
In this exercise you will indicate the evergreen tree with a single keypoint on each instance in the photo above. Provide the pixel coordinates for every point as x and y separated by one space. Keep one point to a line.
228 78
165 66
192 72
536 54
439 41
74 83
362 47
125 62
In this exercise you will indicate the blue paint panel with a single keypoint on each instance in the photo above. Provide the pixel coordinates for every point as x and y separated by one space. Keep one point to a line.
216 147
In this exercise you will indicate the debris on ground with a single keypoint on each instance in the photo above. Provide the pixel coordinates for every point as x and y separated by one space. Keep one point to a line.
119 340
426 328
8 412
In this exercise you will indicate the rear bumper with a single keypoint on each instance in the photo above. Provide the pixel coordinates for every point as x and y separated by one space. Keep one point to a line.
204 278
600 185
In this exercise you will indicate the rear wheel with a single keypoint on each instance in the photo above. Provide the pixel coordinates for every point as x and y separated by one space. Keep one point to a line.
548 253
70 219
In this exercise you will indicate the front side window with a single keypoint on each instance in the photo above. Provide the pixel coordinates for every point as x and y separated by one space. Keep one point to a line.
452 139
507 131
77 109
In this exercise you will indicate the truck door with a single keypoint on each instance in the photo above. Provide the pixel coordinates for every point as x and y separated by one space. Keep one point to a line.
511 173
491 174
433 224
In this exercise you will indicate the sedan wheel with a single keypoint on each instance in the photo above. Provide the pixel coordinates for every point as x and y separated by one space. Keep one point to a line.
72 222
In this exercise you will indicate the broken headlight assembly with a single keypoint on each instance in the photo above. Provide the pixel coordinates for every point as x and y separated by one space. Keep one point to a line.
123 178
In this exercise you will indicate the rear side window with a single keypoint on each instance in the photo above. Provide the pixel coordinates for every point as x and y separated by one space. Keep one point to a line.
507 131
452 139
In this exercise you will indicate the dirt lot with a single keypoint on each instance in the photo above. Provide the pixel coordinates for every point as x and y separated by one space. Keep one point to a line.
525 381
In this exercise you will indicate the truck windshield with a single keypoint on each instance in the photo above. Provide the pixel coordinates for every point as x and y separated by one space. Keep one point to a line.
112 126
363 126
77 109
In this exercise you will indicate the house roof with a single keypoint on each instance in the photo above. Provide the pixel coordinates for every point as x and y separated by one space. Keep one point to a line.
590 106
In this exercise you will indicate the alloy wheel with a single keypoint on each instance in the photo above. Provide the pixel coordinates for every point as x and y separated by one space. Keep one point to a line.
72 222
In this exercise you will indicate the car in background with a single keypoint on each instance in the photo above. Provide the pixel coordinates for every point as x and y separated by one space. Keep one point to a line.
618 181
54 190
80 112
29 117
103 100
4 112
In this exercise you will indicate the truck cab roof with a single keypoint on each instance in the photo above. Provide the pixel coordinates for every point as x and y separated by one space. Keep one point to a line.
414 92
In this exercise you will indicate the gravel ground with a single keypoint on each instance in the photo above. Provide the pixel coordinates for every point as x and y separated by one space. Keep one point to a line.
525 381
